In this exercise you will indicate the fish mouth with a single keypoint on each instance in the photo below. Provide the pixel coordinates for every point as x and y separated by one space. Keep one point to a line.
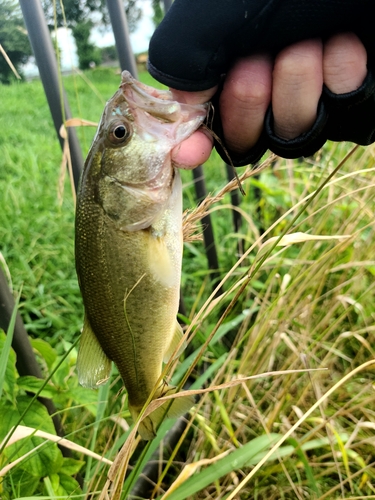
157 103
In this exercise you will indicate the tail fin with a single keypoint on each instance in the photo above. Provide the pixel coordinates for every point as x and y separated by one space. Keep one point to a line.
147 428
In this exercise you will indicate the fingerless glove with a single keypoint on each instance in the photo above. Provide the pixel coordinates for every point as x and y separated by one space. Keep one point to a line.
199 40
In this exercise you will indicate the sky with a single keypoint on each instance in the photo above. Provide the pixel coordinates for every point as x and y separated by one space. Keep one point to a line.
139 41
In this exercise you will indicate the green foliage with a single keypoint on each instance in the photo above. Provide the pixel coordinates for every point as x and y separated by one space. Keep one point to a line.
13 38
12 412
249 454
48 460
108 54
45 467
73 11
8 372
88 54
81 16
78 11
32 216
158 12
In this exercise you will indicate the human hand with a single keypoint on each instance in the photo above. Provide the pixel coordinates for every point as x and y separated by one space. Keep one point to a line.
292 83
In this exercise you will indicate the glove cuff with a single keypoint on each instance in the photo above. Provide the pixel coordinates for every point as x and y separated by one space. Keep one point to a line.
305 144
351 115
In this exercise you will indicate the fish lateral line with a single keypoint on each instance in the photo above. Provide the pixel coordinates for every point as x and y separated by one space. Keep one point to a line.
127 294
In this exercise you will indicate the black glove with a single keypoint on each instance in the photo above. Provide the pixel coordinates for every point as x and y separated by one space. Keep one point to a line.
199 40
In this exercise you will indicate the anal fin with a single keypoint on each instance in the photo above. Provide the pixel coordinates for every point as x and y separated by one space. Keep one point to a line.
93 365
176 339
176 408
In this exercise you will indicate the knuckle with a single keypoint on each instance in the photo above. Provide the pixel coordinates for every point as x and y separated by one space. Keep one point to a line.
294 67
344 63
299 62
253 94
339 63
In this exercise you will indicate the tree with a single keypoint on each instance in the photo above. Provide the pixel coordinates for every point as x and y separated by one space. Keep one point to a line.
87 52
158 12
13 38
81 16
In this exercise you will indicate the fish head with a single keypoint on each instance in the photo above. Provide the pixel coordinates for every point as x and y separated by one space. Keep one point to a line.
130 159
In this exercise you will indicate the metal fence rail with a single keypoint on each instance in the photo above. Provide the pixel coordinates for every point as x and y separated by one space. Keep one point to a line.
45 57
121 32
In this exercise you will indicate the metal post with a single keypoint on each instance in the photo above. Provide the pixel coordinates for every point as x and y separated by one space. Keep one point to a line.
121 31
208 233
46 60
26 362
235 200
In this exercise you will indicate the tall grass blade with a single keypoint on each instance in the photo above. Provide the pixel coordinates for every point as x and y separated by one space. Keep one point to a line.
23 431
308 470
297 424
49 488
103 393
248 455
36 395
57 497
8 344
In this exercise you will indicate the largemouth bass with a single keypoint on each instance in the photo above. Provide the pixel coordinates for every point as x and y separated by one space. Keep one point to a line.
128 244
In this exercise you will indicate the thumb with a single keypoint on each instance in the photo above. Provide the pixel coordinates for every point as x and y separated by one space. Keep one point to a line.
193 97
196 149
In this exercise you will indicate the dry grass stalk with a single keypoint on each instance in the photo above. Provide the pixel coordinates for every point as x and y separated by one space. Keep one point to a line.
23 431
364 366
11 65
118 469
191 217
66 162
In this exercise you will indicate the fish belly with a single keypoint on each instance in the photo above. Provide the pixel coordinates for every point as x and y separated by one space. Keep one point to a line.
130 287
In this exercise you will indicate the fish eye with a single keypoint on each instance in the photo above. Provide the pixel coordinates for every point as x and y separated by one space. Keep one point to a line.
119 132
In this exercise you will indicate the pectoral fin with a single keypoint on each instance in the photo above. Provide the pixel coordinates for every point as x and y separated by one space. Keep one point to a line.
93 365
177 336
160 262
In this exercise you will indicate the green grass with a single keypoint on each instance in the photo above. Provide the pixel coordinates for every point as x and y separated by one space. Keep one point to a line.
307 305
